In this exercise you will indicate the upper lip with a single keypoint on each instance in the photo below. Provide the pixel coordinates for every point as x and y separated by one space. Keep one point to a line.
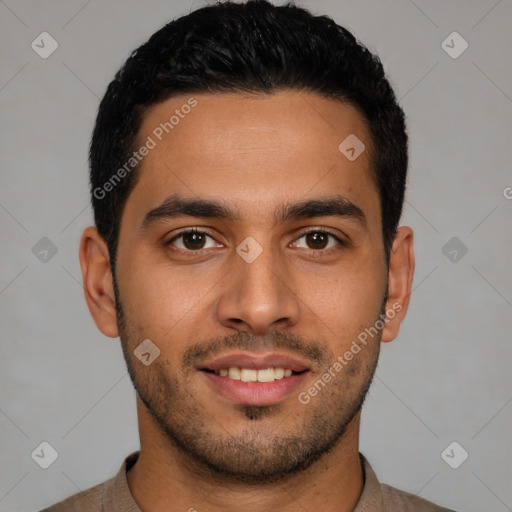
256 362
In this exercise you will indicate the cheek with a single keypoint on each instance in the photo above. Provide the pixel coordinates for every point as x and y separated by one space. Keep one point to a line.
348 303
161 303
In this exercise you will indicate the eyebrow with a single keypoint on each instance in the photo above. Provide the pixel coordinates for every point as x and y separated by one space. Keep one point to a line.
177 206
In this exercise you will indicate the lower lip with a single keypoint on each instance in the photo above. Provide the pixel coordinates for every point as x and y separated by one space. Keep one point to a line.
256 393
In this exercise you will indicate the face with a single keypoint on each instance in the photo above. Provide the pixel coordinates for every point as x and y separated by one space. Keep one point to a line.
249 242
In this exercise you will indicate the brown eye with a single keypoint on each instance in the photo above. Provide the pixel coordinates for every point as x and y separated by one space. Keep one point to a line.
192 240
317 240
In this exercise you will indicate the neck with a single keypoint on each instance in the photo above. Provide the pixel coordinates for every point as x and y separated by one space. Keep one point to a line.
163 478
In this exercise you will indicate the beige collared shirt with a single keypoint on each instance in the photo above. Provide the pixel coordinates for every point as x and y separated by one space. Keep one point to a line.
114 496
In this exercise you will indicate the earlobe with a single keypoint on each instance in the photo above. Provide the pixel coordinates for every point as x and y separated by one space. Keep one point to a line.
400 277
97 281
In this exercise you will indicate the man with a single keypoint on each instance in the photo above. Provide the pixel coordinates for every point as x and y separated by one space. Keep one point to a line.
248 169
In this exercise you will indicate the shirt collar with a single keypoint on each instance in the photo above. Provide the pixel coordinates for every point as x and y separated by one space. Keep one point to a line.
371 497
117 497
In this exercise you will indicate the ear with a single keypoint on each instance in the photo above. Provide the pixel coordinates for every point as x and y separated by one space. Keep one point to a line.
97 281
400 276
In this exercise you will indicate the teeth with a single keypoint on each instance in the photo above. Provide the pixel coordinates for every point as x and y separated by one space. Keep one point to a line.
251 375
234 373
266 375
278 373
247 375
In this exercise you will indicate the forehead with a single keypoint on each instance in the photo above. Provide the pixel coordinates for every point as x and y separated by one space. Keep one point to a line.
255 151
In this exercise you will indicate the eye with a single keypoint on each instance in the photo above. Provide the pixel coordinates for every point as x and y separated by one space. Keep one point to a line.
318 240
192 240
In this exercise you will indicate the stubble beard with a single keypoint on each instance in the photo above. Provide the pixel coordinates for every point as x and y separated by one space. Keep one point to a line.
266 450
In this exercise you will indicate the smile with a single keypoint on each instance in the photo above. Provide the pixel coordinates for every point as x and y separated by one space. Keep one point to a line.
253 375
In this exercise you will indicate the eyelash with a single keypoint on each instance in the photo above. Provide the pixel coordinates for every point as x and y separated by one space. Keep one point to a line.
341 242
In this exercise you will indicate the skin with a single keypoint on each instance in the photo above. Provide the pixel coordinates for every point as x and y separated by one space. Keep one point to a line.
255 153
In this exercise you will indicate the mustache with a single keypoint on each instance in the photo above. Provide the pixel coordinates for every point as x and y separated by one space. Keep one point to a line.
281 341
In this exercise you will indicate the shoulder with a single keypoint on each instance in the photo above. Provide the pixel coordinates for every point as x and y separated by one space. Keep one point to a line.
401 501
112 494
379 497
84 501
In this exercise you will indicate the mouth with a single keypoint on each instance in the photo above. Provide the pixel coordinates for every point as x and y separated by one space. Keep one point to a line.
255 380
253 375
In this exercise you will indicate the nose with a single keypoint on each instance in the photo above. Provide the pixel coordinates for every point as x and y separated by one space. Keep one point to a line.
258 296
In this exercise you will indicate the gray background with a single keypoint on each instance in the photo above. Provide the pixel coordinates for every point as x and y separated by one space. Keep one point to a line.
446 378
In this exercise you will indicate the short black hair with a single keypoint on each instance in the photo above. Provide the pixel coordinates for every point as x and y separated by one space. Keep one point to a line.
251 47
